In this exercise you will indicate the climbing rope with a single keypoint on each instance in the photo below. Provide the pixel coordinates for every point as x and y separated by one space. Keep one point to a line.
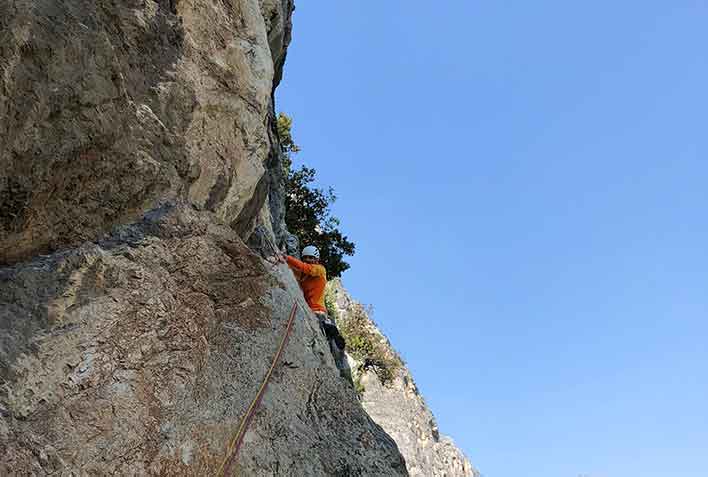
235 443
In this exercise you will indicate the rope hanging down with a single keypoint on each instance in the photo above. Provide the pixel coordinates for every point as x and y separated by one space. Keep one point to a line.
235 444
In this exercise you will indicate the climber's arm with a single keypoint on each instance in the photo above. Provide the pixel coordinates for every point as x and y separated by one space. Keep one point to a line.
306 268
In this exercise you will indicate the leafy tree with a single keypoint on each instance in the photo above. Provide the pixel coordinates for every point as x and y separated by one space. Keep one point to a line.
307 208
307 215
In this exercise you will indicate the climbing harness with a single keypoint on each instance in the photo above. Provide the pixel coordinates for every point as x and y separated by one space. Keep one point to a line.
237 440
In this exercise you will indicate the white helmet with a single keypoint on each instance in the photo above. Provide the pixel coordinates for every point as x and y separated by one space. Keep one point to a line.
311 251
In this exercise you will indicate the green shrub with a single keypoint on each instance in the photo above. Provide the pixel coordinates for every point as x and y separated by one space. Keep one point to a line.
367 347
285 125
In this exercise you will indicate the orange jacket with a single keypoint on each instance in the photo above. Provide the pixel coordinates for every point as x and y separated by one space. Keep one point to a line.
312 280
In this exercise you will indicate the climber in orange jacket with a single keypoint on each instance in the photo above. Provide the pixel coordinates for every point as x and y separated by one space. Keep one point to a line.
311 276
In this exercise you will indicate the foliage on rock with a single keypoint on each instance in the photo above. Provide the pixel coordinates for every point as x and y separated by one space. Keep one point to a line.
331 304
285 124
368 347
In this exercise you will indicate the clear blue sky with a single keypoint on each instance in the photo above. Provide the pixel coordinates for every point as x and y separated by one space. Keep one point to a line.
526 183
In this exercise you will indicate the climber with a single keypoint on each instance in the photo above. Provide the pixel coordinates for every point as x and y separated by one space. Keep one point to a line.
311 276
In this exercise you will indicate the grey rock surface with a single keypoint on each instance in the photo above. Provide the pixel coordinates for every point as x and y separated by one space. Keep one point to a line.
109 109
399 408
139 354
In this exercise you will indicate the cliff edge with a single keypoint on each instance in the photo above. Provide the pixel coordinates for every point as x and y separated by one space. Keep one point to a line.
389 393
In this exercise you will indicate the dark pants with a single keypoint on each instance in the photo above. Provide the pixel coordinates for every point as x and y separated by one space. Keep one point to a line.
337 344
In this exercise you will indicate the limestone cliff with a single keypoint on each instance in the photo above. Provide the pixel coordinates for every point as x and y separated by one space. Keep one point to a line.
139 354
137 153
391 398
109 109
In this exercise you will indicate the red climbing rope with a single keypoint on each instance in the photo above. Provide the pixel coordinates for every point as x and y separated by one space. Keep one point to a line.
237 439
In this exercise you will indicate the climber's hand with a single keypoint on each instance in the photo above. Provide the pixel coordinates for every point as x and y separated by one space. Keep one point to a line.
275 259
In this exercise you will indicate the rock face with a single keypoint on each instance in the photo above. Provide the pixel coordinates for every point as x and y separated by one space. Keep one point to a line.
139 354
397 406
108 110
138 150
